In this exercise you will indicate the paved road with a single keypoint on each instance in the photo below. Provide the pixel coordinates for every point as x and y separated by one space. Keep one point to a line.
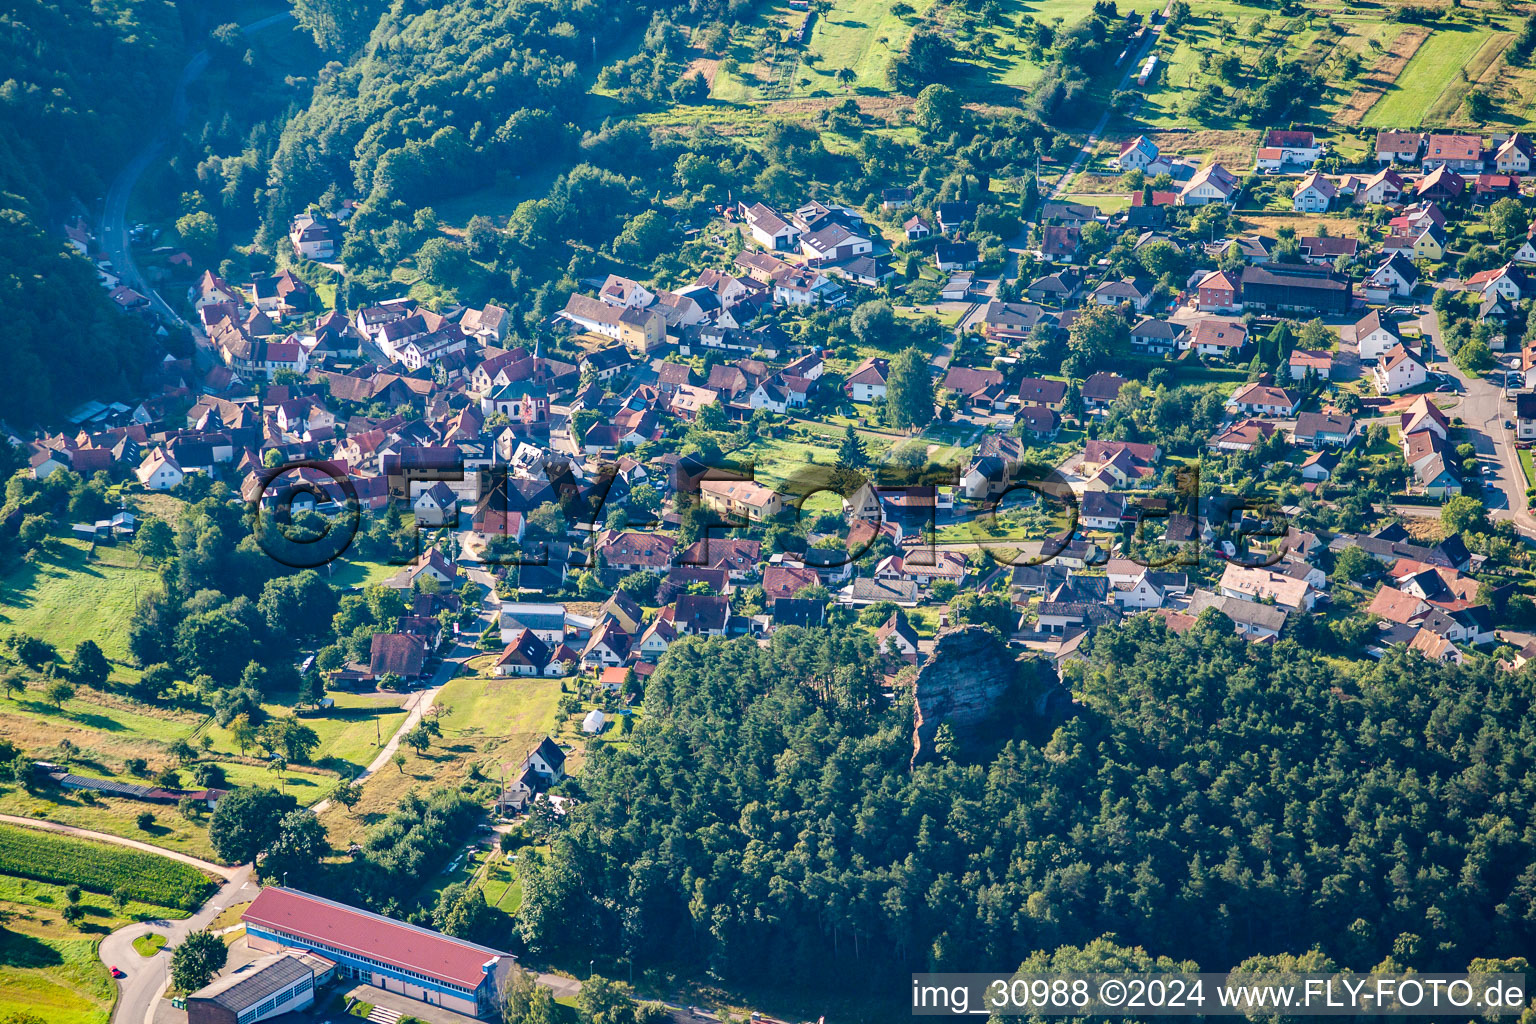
418 706
147 977
1484 410
112 229
104 837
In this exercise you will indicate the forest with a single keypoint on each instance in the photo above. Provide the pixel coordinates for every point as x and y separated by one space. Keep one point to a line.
77 79
1212 801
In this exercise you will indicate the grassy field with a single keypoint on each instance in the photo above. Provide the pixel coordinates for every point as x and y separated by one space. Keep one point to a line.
65 599
49 966
1405 75
106 729
486 722
114 817
1435 72
350 733
861 35
52 971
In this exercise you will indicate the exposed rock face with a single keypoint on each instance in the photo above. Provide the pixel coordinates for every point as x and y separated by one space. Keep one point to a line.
971 669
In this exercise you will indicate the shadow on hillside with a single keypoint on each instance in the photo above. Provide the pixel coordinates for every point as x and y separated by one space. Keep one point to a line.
17 950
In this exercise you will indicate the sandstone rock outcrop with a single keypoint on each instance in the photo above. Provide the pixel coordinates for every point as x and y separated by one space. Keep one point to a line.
962 683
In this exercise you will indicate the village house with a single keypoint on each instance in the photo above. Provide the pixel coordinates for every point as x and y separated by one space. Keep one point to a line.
1135 292
1266 585
630 551
1372 336
1385 186
1398 371
1100 390
1515 156
314 238
1304 361
1314 194
1219 339
1317 429
1218 292
1157 337
640 330
1139 154
768 229
741 500
1394 278
1211 184
1261 399
867 381
1327 249
1394 147
1011 322
1457 152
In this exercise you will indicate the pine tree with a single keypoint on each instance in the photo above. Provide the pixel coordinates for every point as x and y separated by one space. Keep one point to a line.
852 452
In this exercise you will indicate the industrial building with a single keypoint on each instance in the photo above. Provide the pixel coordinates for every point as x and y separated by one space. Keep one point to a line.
402 958
273 985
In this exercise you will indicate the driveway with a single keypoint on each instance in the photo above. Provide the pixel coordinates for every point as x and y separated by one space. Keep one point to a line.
1132 67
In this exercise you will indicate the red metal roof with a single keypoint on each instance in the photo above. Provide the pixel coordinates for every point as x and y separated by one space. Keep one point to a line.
349 929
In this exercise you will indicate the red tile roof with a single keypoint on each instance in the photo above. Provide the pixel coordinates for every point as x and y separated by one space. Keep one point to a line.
350 930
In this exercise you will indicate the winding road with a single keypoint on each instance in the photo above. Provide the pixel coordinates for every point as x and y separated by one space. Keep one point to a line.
145 977
112 228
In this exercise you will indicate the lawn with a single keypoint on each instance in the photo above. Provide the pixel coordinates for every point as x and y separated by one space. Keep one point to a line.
350 733
503 886
64 599
114 817
357 574
1106 203
488 723
149 944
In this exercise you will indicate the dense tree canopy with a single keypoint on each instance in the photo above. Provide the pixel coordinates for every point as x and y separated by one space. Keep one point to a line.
1213 800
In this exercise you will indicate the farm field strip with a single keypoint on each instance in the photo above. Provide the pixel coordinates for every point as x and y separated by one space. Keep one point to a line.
1385 72
1434 69
63 859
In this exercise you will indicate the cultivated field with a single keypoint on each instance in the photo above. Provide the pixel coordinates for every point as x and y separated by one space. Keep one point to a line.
1431 86
61 859
48 965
